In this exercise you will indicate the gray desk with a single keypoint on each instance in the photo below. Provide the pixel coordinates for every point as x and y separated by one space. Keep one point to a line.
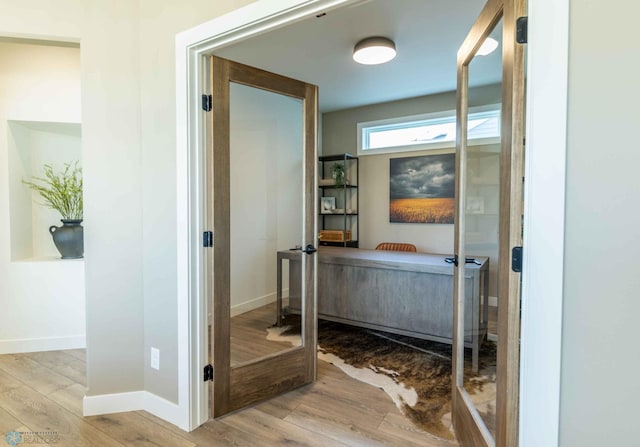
398 292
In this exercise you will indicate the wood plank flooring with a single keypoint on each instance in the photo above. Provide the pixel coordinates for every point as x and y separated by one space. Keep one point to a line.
248 335
43 392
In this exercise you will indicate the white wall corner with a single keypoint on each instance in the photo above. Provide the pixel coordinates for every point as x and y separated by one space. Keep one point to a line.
255 303
135 401
166 410
113 403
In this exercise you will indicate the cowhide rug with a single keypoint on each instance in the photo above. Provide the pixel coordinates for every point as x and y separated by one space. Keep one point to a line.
415 373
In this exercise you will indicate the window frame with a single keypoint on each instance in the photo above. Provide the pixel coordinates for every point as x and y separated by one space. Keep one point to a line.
361 126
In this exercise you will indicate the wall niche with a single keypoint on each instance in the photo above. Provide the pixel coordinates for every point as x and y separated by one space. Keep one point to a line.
31 145
40 116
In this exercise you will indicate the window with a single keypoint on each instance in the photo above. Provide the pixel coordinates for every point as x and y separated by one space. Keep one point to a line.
432 131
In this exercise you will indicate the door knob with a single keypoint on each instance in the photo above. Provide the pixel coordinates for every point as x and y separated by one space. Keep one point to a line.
309 249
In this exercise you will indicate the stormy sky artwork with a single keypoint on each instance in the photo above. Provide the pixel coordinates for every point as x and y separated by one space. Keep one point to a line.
429 176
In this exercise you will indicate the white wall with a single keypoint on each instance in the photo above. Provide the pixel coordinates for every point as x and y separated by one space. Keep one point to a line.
266 191
160 21
128 117
113 195
45 304
600 361
40 82
110 116
43 294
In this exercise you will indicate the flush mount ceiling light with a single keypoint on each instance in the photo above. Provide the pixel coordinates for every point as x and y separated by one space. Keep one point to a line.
488 46
374 50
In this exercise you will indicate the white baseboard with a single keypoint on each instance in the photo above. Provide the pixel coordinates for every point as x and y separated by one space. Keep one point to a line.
255 303
42 344
166 410
135 401
112 403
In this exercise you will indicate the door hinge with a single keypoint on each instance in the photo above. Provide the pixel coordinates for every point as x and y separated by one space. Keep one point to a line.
207 102
522 29
207 239
516 259
208 373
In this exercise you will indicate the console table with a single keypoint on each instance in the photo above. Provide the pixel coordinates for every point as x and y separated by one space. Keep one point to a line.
398 292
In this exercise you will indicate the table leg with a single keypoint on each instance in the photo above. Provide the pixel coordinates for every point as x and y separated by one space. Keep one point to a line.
475 353
279 291
485 297
476 324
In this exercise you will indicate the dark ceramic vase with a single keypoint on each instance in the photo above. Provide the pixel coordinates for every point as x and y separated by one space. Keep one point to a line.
69 238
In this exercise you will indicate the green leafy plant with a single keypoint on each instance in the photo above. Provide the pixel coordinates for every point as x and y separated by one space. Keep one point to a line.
337 171
61 191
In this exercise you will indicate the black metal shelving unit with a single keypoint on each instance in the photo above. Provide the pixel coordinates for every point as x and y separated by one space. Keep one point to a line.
346 199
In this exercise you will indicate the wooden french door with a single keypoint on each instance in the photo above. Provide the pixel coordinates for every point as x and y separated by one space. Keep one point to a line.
260 200
489 180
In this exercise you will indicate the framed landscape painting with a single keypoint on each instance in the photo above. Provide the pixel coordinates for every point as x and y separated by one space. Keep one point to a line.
422 189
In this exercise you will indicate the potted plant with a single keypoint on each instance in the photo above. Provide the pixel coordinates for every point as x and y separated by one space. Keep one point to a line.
62 192
337 172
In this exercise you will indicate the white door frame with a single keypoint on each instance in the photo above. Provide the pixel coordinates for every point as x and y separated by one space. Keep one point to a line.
544 202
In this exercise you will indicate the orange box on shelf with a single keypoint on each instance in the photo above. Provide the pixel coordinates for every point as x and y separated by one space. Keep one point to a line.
334 235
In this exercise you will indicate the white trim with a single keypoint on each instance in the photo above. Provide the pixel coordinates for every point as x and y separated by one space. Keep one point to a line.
134 401
188 327
43 344
166 410
254 303
112 403
544 226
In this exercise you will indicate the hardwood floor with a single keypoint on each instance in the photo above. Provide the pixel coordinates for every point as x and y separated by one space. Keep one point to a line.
248 335
43 391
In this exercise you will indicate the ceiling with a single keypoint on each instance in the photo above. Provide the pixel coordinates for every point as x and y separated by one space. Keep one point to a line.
427 34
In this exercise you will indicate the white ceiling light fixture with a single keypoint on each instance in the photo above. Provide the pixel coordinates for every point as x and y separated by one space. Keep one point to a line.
488 46
374 50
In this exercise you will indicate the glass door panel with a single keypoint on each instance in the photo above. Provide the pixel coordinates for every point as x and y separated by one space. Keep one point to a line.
262 197
266 179
481 234
488 226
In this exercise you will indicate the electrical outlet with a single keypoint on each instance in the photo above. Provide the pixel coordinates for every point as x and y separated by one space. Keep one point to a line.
155 358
